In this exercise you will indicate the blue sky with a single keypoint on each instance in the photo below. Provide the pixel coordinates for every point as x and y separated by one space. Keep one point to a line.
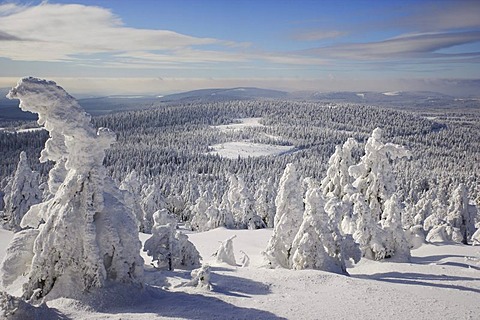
164 46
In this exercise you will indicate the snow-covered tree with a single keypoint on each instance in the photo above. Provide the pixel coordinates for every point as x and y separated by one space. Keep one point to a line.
132 196
318 243
87 237
152 201
239 202
288 218
225 252
375 184
338 179
396 242
23 192
337 184
459 215
265 202
169 248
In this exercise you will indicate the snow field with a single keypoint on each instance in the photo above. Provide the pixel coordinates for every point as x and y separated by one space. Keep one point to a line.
440 282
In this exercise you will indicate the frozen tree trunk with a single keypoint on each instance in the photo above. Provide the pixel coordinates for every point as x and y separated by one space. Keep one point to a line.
89 237
288 219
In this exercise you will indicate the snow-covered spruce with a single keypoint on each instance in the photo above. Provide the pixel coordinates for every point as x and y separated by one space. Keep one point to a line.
318 243
288 218
375 185
337 185
22 192
88 237
132 188
169 248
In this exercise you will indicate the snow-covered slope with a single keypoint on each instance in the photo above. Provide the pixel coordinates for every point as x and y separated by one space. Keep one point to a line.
441 282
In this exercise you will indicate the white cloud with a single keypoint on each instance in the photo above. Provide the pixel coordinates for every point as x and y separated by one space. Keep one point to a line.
78 33
420 45
59 32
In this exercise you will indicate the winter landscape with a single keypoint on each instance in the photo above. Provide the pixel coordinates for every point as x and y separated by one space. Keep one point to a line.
290 191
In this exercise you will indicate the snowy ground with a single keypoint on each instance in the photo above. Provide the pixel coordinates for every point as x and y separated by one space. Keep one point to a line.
441 282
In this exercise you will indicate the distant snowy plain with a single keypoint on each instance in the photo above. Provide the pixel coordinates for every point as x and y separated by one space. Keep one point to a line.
441 282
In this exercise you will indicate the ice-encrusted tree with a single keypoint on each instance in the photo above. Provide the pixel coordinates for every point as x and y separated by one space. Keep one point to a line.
460 215
23 192
318 243
84 237
225 252
152 201
169 248
288 218
338 179
265 202
337 184
396 242
239 202
132 198
375 185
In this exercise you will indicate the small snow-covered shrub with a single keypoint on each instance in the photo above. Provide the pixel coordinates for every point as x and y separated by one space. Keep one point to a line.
200 278
415 236
225 252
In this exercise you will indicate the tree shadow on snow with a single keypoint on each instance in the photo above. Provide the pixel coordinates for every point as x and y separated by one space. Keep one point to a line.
421 279
433 259
187 305
237 287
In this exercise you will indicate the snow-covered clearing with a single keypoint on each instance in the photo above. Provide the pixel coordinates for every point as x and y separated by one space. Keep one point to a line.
242 124
441 282
391 93
244 149
21 130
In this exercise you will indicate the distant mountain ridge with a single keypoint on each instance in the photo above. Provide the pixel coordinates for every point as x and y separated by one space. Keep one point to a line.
225 94
118 103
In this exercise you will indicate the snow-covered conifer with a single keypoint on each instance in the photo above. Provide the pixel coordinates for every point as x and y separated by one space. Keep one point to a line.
338 179
169 248
318 243
375 184
288 218
152 201
132 187
459 216
396 243
88 237
23 192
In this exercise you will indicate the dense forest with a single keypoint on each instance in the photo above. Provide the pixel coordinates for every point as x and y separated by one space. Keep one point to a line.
168 148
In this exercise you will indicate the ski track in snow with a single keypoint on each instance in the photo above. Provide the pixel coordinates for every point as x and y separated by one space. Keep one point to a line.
441 282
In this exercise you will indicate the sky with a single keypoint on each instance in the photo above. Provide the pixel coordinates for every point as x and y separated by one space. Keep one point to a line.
161 46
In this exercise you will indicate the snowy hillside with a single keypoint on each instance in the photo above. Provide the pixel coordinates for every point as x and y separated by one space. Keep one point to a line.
441 282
